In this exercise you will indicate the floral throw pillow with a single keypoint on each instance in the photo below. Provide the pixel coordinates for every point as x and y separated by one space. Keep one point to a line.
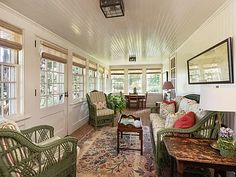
100 105
172 118
166 109
9 124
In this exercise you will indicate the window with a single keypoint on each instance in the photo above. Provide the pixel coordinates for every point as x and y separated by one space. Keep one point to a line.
52 75
101 78
10 47
173 76
78 70
92 76
135 80
117 81
153 79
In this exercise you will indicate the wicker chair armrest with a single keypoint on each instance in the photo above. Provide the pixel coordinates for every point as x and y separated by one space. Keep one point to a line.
43 156
39 133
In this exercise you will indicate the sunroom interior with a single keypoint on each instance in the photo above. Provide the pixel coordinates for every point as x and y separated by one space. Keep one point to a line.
55 54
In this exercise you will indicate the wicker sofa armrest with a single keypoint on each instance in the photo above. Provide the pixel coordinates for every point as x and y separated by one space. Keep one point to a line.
33 159
39 133
204 128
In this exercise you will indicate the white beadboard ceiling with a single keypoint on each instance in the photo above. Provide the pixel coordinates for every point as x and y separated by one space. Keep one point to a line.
150 29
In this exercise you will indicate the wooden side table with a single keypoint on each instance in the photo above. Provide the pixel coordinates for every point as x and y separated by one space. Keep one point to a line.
126 125
158 104
190 152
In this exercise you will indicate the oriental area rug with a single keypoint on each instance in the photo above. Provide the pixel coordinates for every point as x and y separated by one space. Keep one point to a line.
98 156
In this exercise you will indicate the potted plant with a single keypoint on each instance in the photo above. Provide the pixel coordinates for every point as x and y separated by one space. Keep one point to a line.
117 101
225 142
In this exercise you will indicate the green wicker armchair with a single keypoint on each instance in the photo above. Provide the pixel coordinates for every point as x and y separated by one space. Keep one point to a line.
99 115
206 127
36 152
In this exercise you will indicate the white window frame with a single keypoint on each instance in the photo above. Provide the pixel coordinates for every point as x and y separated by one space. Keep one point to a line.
61 93
92 80
156 85
78 75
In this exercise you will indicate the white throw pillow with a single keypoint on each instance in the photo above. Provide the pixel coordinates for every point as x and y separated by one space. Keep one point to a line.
171 118
185 104
166 109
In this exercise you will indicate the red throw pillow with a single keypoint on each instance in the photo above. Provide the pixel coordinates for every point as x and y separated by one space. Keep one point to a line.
185 121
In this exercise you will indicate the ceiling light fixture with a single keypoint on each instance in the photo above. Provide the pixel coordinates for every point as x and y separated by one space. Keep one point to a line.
112 8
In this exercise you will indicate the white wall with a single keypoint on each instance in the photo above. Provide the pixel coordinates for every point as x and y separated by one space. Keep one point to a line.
32 115
221 25
218 27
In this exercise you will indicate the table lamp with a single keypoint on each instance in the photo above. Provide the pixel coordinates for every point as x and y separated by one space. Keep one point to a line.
167 86
218 99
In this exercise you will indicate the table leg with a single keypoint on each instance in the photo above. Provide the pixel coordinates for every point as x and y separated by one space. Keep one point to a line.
141 139
180 168
118 142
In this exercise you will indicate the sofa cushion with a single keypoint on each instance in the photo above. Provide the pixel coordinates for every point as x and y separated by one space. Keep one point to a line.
158 124
178 100
185 104
172 118
166 109
199 113
104 112
185 121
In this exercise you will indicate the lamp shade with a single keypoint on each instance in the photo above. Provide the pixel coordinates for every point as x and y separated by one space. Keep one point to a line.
167 86
218 99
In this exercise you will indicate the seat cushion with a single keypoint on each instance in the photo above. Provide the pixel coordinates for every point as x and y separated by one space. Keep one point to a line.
50 140
158 124
104 112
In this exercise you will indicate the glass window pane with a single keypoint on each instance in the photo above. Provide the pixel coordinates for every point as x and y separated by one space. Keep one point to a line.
42 102
49 65
56 66
8 90
50 100
43 90
6 108
12 107
42 64
50 89
8 55
61 78
9 74
56 78
135 81
43 77
49 77
153 82
56 89
56 99
61 89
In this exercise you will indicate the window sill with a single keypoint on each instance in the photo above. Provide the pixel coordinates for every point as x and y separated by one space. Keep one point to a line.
18 118
75 102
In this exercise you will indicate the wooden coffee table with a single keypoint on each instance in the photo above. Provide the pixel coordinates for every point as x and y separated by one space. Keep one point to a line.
190 152
126 126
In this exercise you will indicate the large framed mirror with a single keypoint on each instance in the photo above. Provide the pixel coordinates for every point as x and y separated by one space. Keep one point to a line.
214 65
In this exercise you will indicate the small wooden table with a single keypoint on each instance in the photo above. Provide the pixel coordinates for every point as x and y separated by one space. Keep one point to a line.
197 153
126 125
137 97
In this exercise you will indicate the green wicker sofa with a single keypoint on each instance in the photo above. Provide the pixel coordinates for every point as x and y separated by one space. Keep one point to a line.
205 127
35 152
103 116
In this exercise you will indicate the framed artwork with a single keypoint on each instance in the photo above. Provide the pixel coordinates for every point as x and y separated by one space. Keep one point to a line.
214 65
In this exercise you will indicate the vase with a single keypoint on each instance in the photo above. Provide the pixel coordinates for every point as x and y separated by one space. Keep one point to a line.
226 152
